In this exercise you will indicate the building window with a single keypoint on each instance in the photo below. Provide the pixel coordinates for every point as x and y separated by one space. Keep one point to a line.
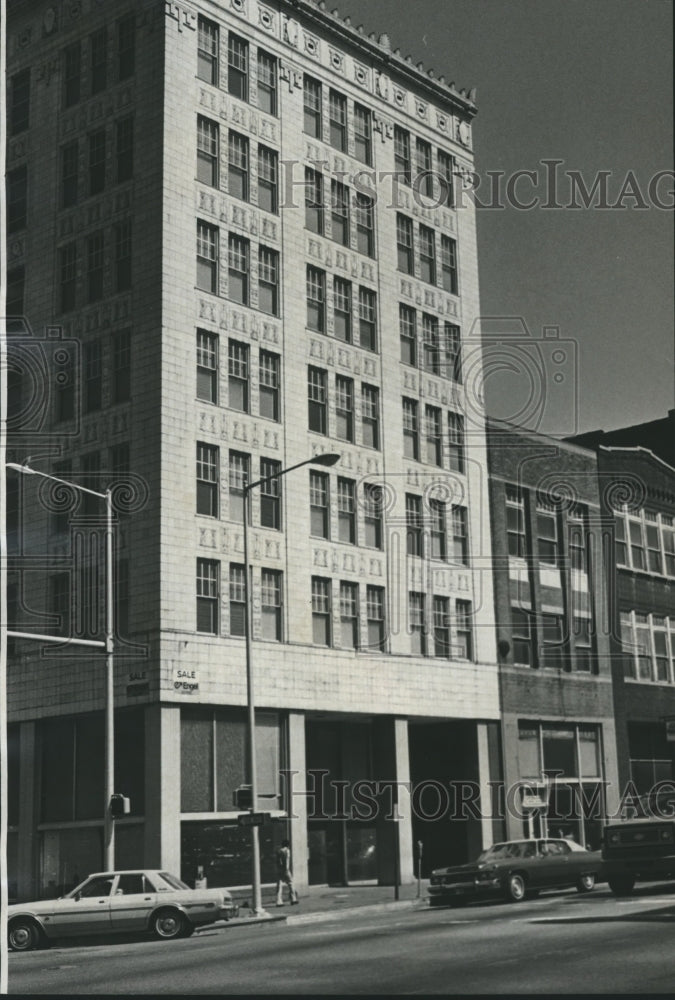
456 441
449 265
552 638
346 503
402 155
268 280
97 162
238 166
238 376
17 199
237 67
318 505
207 479
453 350
446 167
123 256
339 213
404 244
19 108
416 619
583 647
460 535
430 344
271 592
126 47
413 525
207 151
270 494
464 629
362 134
268 179
121 373
124 149
370 416
372 506
424 181
521 636
375 614
411 437
316 299
317 397
16 280
442 627
95 267
72 65
93 376
69 172
438 531
648 642
239 465
312 107
349 615
337 117
269 385
267 82
238 269
207 51
99 60
367 319
237 600
408 337
207 366
427 255
314 200
548 546
433 435
321 611
645 540
208 571
365 225
344 408
67 276
342 309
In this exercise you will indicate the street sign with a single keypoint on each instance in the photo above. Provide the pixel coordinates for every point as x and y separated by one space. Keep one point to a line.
253 819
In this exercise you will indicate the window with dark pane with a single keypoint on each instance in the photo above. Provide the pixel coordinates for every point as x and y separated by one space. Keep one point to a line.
370 416
121 369
207 50
321 611
317 397
268 280
239 468
271 604
123 256
238 166
72 67
362 134
207 151
414 525
337 117
268 179
97 146
342 309
93 376
19 104
208 571
238 269
344 408
267 82
339 207
98 60
237 600
207 366
417 623
95 267
237 67
312 107
238 372
349 615
346 503
367 319
314 200
207 479
404 244
318 504
126 47
269 385
270 493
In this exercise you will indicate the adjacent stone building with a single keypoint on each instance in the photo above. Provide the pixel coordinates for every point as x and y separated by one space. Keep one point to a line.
235 237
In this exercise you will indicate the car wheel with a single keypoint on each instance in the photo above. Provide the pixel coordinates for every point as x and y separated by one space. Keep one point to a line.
23 935
168 924
585 883
621 885
515 889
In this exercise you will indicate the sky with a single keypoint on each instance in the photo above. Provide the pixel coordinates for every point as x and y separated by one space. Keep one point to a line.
590 83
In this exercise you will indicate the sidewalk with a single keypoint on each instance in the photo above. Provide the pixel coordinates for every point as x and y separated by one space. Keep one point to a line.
320 902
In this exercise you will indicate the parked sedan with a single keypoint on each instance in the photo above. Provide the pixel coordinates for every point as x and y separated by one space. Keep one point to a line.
118 902
514 868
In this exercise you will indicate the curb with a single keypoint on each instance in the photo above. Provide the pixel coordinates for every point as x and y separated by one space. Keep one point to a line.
221 925
322 916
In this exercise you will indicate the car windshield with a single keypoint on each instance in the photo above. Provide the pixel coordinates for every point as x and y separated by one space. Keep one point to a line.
171 882
517 849
99 885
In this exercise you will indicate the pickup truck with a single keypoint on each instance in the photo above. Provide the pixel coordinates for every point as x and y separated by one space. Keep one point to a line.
641 849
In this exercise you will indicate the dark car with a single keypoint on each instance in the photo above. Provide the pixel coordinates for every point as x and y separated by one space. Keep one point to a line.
515 868
642 848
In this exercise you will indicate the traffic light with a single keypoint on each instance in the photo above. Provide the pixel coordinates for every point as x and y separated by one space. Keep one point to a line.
119 805
242 798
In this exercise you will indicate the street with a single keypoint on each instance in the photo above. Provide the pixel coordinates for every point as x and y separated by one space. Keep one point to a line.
560 943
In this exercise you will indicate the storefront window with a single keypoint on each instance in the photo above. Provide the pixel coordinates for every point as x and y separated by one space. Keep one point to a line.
559 751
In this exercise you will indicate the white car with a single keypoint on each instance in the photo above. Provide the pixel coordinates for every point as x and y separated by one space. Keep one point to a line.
118 902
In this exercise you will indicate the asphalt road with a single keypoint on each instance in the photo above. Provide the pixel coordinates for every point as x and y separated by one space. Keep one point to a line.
560 943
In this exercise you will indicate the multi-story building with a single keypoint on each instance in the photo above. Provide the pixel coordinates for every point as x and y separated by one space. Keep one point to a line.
233 231
636 468
559 742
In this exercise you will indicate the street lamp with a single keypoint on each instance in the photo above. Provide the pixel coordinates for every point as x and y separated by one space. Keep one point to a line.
109 779
325 460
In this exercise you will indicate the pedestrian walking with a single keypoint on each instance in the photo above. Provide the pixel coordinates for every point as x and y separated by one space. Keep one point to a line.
285 875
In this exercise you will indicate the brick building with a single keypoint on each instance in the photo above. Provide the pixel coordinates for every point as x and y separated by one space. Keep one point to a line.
553 640
218 291
636 466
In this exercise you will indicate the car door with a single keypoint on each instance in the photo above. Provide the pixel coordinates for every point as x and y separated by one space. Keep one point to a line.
558 872
132 902
87 912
